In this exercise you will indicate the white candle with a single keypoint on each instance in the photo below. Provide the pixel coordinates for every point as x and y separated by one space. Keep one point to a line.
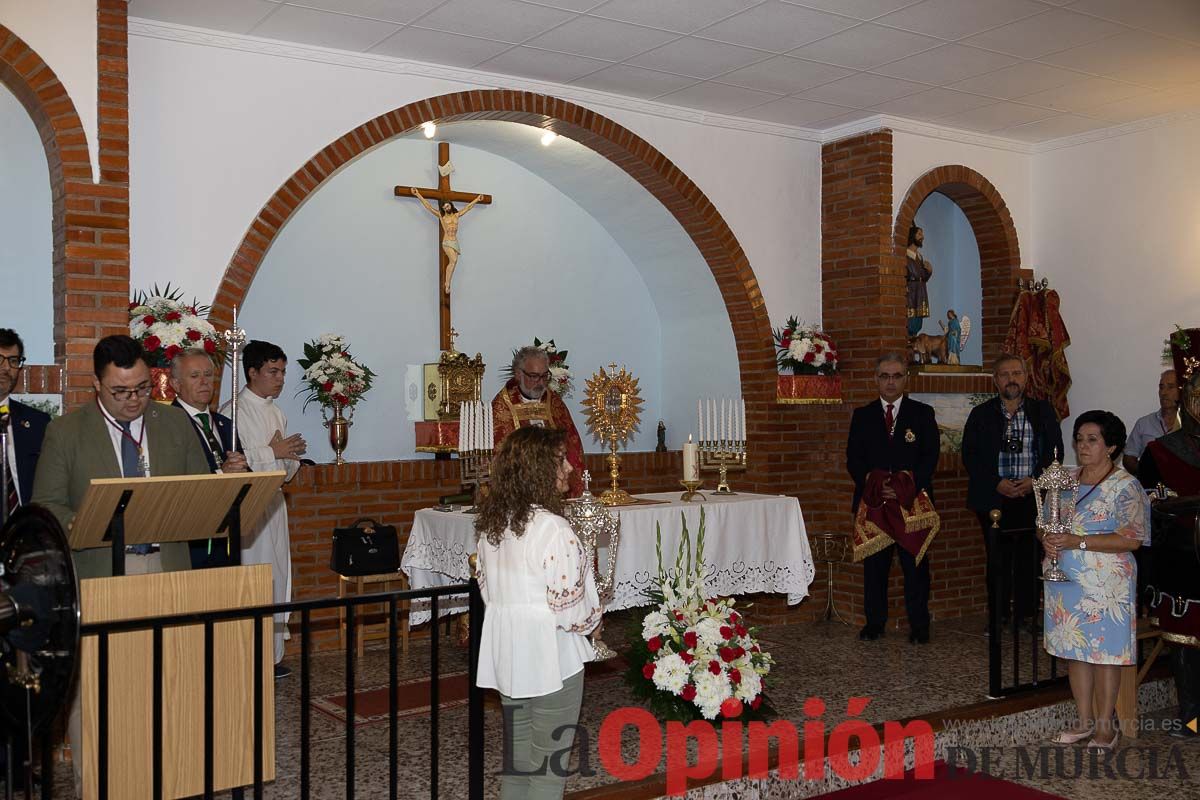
712 419
700 418
726 430
691 461
743 419
488 427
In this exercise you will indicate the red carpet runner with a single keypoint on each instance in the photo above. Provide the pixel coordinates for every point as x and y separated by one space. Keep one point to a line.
943 786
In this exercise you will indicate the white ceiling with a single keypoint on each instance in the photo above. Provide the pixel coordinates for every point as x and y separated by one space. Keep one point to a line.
1030 70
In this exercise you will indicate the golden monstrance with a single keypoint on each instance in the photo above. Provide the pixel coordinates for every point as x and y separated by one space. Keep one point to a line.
614 408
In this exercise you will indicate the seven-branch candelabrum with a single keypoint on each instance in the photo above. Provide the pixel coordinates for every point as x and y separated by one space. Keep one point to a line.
722 426
475 432
1052 517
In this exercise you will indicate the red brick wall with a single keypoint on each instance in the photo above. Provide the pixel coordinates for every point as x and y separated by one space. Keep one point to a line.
863 302
90 220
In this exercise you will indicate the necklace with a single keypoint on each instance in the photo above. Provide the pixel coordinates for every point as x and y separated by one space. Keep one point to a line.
143 467
1094 485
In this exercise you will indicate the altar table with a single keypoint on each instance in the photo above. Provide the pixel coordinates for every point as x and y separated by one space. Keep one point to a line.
752 543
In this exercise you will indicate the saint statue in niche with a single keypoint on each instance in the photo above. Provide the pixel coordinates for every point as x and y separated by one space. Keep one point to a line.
918 275
449 217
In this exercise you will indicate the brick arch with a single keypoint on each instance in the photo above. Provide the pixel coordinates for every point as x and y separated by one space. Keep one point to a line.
657 175
995 234
90 219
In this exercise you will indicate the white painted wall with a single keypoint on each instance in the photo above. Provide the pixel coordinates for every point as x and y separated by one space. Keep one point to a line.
26 232
63 32
215 131
1009 171
1117 232
357 261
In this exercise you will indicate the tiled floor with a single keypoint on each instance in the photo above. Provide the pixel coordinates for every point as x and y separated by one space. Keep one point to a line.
825 661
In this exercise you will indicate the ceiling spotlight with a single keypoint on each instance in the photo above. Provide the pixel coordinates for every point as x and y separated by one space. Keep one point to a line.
429 128
548 137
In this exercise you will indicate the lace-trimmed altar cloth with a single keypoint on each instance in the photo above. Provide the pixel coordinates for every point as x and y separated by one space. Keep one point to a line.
753 543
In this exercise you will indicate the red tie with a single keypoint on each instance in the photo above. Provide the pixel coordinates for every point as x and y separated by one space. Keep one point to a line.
889 420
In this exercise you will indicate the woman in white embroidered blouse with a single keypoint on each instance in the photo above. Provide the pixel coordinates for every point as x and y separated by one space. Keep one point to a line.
541 603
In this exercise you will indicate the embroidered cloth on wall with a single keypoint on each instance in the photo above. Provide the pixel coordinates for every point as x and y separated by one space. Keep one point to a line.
1037 334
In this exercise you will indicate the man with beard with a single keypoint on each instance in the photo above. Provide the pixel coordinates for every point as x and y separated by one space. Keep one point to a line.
1006 443
26 425
1174 462
528 400
919 271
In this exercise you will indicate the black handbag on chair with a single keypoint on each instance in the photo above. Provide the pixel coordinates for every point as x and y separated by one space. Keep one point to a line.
365 548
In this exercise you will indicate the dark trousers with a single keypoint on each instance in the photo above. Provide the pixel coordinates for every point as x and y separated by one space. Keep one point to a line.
203 559
1013 556
876 569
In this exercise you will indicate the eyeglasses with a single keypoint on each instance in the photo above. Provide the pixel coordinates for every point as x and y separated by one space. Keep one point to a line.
122 394
13 361
536 376
890 376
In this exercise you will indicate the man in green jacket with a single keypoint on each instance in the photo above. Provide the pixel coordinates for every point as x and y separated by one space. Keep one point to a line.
120 434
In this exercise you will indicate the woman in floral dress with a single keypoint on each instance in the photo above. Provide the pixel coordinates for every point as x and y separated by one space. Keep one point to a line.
1090 620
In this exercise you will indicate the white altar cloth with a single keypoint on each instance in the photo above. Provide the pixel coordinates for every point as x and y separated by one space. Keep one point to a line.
752 543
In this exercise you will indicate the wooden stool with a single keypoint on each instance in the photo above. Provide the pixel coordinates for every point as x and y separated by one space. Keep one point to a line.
1132 677
361 630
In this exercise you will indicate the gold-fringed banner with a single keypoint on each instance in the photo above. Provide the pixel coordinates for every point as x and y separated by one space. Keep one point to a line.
808 389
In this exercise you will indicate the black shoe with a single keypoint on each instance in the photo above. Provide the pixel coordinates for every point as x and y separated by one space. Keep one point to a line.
870 633
281 671
919 636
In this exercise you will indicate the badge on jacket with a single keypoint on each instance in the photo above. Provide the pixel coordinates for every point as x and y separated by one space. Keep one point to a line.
909 436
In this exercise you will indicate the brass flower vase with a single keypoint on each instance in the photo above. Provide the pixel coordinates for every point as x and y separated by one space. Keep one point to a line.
339 433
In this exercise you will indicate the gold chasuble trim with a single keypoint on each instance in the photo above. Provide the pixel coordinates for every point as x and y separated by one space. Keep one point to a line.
870 539
529 410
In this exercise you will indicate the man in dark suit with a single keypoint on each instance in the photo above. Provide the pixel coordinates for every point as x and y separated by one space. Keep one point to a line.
192 379
120 434
1006 443
897 434
26 425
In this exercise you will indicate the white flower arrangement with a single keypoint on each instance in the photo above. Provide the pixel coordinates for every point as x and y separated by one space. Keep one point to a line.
331 374
695 657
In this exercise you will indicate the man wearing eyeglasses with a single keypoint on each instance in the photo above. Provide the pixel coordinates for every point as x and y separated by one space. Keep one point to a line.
891 453
527 399
26 425
118 434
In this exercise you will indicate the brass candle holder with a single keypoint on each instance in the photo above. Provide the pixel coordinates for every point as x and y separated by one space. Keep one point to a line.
692 491
723 455
613 410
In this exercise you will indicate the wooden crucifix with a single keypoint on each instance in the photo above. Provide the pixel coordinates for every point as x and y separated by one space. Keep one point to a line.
448 248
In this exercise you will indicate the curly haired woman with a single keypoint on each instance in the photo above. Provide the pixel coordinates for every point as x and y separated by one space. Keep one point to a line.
541 604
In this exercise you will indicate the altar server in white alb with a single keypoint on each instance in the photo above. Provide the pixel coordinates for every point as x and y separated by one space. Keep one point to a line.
262 428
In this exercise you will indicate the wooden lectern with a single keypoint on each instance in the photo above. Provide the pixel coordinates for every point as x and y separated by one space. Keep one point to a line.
124 511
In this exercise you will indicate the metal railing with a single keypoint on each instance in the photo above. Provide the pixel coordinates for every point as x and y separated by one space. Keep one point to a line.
1021 681
350 605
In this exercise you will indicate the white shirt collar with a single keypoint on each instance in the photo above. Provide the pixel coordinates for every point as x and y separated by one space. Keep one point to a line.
191 410
895 404
114 421
249 394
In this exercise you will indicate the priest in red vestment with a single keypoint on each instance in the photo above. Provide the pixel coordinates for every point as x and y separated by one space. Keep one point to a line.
528 400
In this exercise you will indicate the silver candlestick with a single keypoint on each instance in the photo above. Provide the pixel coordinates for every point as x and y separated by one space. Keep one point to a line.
235 337
1052 518
591 519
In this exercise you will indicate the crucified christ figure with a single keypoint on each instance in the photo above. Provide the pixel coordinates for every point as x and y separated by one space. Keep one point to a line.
449 217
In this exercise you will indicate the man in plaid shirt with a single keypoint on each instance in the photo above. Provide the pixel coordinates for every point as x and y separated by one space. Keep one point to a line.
1007 442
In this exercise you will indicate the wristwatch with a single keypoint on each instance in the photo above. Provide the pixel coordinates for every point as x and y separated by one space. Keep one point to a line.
1082 543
